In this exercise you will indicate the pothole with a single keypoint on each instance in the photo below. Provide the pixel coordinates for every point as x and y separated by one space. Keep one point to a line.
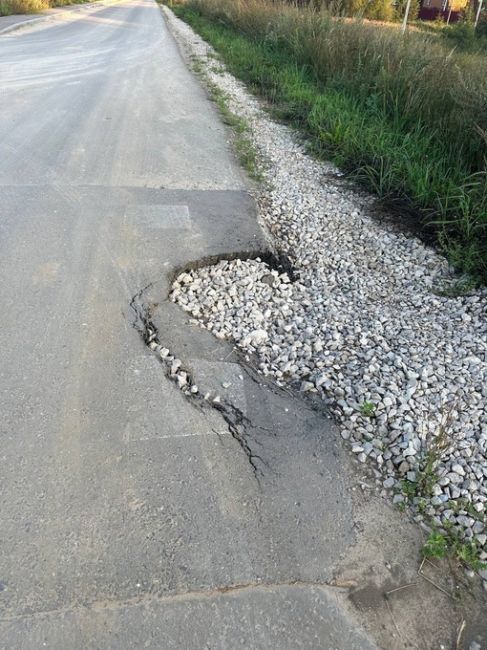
277 261
174 369
353 357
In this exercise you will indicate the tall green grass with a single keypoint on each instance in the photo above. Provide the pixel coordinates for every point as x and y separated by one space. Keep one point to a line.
405 115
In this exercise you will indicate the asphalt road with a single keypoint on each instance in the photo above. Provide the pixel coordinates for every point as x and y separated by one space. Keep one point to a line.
130 518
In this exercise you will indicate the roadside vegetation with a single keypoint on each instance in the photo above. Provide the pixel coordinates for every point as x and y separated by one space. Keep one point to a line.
11 7
463 35
405 115
243 144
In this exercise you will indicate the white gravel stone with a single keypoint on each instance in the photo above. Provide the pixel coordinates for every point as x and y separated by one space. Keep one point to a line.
364 321
182 379
175 365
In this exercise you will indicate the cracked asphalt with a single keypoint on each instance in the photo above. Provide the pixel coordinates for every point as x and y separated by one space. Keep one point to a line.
131 516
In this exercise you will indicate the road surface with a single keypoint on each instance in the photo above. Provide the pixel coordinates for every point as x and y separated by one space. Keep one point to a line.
130 518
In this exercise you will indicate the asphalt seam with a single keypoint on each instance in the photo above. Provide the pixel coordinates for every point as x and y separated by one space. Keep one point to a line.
149 598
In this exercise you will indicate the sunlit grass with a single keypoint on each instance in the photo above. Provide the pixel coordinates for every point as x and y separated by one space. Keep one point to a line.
10 7
406 116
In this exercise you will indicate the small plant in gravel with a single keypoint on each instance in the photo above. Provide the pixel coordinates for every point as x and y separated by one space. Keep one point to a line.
427 476
464 504
461 286
409 490
468 553
435 447
367 409
421 505
436 546
448 544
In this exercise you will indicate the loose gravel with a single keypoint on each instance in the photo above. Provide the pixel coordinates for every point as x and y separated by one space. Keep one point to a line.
363 324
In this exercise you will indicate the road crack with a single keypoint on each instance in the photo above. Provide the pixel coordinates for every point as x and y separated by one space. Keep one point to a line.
237 422
148 598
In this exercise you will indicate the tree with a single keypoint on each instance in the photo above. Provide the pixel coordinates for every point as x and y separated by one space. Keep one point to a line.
413 11
371 9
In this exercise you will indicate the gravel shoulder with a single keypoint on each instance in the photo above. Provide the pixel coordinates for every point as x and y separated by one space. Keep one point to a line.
369 321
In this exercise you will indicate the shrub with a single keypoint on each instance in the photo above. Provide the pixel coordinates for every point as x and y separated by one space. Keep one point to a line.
28 6
5 9
371 9
464 36
413 9
482 25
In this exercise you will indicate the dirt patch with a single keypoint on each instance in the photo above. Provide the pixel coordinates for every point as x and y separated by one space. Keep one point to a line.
403 602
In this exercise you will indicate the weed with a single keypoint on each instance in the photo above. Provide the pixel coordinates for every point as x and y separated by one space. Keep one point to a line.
436 546
456 505
468 553
422 504
409 489
367 409
247 157
461 286
434 447
463 504
449 545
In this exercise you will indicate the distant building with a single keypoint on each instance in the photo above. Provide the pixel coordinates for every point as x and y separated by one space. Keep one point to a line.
447 9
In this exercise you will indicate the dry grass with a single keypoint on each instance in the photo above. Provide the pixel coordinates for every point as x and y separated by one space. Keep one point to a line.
8 7
12 7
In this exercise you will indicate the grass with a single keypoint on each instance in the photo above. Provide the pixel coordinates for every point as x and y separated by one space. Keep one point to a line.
465 37
441 545
11 7
405 116
444 541
242 142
